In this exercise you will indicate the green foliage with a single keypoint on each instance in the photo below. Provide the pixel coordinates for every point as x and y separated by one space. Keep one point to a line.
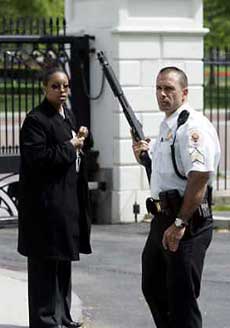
216 15
217 19
221 208
32 8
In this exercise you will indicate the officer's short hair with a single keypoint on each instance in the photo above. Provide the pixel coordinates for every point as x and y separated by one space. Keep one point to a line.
182 76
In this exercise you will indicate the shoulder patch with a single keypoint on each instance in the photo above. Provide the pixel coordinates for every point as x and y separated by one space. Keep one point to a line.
195 138
197 156
196 146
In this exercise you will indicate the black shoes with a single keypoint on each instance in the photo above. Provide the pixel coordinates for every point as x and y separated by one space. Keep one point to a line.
72 324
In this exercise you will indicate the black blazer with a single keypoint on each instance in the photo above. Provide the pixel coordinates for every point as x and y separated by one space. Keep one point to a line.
54 219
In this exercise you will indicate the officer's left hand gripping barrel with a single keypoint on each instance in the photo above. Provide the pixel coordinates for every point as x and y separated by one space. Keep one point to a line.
135 125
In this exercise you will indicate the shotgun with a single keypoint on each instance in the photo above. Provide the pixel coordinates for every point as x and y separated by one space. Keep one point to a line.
135 125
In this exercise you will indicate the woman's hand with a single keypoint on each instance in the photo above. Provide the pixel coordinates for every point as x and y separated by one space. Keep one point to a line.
83 132
78 140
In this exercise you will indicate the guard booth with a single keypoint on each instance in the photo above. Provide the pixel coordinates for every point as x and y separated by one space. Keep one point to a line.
22 60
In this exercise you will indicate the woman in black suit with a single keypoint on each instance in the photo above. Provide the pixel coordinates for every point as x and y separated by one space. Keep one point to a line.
54 221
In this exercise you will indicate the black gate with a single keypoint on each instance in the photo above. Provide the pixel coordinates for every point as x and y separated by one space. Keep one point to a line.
217 105
22 60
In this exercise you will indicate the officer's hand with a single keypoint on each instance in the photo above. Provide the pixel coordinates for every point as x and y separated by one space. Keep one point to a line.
172 237
138 147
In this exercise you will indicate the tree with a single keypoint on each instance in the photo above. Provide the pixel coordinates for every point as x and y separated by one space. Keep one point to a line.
32 8
217 19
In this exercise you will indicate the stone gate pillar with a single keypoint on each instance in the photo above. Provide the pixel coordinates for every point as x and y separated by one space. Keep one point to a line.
139 38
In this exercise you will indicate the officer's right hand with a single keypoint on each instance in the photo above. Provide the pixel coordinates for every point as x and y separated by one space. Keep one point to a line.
139 146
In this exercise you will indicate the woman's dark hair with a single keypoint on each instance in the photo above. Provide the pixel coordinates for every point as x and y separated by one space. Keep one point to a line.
49 72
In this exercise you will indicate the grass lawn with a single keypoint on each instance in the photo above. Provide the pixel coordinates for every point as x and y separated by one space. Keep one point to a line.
18 102
221 208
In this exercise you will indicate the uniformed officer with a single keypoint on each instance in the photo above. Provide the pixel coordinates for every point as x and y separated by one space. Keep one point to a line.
185 157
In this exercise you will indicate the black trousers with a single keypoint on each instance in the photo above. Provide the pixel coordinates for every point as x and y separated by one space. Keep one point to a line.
49 292
171 280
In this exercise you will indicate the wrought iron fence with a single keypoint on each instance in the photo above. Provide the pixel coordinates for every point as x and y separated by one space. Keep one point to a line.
22 61
217 105
27 47
20 66
32 26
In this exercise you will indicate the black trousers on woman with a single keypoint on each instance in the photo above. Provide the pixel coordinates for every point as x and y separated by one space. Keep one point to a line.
171 280
49 292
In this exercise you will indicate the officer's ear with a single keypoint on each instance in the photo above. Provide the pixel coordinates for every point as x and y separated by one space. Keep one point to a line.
185 93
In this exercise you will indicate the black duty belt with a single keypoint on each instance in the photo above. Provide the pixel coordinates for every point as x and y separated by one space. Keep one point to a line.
170 201
153 206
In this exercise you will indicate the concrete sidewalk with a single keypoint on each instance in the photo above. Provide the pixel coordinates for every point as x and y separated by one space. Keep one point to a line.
14 300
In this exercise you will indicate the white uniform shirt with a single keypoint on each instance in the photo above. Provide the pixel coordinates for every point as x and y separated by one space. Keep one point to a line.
197 148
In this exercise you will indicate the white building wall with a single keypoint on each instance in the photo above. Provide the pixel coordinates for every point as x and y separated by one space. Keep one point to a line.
138 38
